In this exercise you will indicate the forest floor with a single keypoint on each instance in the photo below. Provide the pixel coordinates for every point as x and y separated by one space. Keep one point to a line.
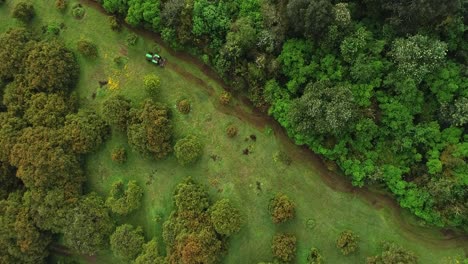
326 202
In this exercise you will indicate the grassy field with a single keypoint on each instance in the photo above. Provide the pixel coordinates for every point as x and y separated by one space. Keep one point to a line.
323 210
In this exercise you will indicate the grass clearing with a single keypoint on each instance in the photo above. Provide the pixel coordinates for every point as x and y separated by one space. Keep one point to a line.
322 213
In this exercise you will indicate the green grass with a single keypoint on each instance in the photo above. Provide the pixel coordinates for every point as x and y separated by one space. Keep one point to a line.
322 212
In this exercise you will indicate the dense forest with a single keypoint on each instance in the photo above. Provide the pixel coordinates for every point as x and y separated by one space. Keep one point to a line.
380 87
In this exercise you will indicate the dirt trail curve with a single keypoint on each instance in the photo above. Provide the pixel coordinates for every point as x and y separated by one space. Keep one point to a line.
448 238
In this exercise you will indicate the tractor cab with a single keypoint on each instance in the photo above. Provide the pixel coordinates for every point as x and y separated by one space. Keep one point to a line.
155 59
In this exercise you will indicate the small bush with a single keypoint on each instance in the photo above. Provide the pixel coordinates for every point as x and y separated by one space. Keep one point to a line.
24 12
284 247
281 208
87 48
347 242
132 39
53 28
188 150
78 11
282 157
114 23
315 257
152 84
119 155
183 106
225 98
61 5
231 131
120 60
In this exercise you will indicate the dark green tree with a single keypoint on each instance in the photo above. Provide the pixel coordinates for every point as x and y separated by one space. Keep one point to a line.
13 52
127 242
310 18
284 247
323 109
392 253
50 67
115 111
123 201
23 11
89 225
48 110
85 131
347 242
150 130
188 150
225 217
281 208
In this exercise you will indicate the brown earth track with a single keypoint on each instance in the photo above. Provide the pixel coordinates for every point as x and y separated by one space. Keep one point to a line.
337 182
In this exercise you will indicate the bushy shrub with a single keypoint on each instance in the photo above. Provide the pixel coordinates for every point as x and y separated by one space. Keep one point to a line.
127 242
78 11
119 155
52 28
124 201
152 84
225 217
282 157
225 98
132 39
61 5
183 106
315 257
114 23
232 131
188 150
284 247
87 48
115 111
347 242
23 11
281 208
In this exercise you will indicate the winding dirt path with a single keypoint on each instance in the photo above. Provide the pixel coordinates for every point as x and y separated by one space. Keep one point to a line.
448 238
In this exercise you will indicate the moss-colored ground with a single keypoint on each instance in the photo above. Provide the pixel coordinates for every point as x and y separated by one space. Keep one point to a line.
322 212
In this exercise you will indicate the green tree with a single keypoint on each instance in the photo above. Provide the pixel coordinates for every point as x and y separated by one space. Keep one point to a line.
43 160
144 11
310 18
392 253
284 247
13 52
225 217
43 78
48 110
85 131
116 111
323 109
23 11
87 48
417 55
347 242
124 201
315 257
150 130
150 254
152 85
281 208
115 6
190 196
188 150
127 242
89 226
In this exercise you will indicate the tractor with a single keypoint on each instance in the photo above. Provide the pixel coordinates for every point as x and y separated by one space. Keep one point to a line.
156 59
